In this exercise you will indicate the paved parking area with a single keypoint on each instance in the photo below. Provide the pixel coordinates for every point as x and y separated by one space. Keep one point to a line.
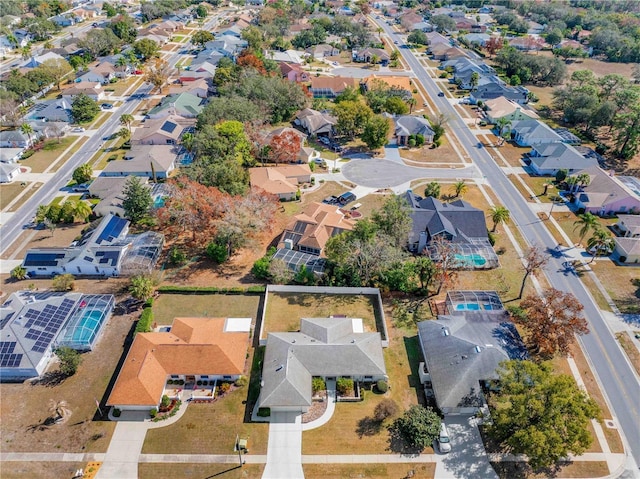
382 173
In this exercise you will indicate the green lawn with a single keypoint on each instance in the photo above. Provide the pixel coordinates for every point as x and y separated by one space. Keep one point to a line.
169 306
284 310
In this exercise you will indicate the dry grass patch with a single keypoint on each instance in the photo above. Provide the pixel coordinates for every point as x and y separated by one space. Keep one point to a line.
102 117
195 470
284 310
427 156
519 470
590 284
369 471
513 153
328 188
62 235
630 349
567 220
169 306
10 191
371 203
20 470
42 159
619 283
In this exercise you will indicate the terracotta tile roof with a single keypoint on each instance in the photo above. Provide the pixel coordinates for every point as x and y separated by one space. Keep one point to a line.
194 346
278 180
337 84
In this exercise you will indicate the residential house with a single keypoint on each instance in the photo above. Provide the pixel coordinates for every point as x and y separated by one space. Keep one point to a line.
322 50
422 26
479 39
458 223
49 129
232 31
92 90
331 87
294 72
107 250
528 43
185 105
492 87
470 26
37 60
436 38
501 107
15 139
149 161
323 347
198 87
34 323
58 110
464 69
283 181
193 349
158 36
10 155
8 172
101 73
6 45
85 13
462 352
444 52
407 125
407 20
163 131
368 55
228 45
316 123
627 250
309 231
628 226
109 190
535 28
63 20
549 158
606 195
533 132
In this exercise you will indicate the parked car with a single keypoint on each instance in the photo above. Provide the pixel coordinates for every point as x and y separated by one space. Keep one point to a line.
78 129
330 200
81 188
346 198
444 443
106 106
324 140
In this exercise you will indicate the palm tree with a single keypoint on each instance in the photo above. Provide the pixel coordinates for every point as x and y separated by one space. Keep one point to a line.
459 188
586 222
26 52
411 102
475 78
82 210
432 189
27 129
503 123
59 410
126 119
572 182
188 141
600 243
499 214
583 179
125 134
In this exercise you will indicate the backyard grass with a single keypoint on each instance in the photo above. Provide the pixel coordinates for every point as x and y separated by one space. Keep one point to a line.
169 306
42 159
621 282
369 471
516 470
9 191
199 471
210 428
284 310
630 349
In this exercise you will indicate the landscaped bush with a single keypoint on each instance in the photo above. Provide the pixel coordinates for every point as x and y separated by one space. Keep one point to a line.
344 386
148 303
145 321
165 401
318 384
224 388
382 386
27 154
264 412
116 412
385 409
153 412
241 381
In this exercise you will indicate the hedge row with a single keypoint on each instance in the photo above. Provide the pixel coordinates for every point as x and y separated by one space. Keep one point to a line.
211 289
145 322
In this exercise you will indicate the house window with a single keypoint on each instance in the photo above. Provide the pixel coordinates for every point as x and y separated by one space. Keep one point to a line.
175 376
226 377
204 376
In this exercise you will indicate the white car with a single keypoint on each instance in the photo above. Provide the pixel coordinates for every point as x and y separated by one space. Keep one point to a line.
444 443
78 129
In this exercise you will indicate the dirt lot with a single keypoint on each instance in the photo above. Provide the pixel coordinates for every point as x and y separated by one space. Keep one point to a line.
62 236
427 156
619 283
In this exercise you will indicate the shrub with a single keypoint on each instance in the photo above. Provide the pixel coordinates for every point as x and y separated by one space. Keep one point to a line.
19 272
241 381
148 303
382 386
116 412
411 142
153 412
260 268
217 252
70 359
28 154
318 384
63 282
224 388
264 412
145 321
176 256
344 386
142 287
165 401
385 408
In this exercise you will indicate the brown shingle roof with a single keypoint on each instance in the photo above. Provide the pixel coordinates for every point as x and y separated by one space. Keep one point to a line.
194 346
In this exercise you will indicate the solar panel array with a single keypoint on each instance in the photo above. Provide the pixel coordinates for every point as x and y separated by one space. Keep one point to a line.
44 324
112 230
5 319
42 259
168 126
9 359
108 256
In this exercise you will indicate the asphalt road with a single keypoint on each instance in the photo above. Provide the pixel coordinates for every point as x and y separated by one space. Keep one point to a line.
18 222
616 375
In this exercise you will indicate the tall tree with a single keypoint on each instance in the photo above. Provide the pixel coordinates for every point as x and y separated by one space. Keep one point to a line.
376 131
27 129
82 173
534 259
393 220
84 108
600 243
459 188
126 119
552 321
542 415
137 199
146 48
418 427
586 222
201 37
57 68
285 147
158 73
352 117
499 214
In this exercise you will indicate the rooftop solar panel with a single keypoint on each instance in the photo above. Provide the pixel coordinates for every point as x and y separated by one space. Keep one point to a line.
42 259
168 126
7 347
10 360
112 230
5 320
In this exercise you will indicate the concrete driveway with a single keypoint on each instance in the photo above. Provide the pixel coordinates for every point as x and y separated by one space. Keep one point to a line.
381 173
284 452
468 457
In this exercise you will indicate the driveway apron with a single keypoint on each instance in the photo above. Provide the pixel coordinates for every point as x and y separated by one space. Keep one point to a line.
284 453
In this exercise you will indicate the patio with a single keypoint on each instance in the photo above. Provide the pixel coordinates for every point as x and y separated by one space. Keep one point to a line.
184 392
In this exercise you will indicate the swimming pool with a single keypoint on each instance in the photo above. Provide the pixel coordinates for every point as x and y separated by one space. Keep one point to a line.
87 327
474 260
468 307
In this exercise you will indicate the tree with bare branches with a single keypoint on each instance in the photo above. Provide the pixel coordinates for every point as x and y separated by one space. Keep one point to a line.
552 321
158 73
534 260
59 410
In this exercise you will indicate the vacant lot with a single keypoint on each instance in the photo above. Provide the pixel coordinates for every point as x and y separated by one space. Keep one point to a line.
621 282
369 471
24 407
426 156
169 306
9 192
284 310
199 471
42 159
63 235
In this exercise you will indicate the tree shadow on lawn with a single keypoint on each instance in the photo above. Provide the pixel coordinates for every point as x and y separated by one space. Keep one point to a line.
50 379
399 446
368 426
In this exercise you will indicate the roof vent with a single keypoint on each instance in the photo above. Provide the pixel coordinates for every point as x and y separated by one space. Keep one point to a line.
280 368
353 341
293 340
445 331
477 349
464 356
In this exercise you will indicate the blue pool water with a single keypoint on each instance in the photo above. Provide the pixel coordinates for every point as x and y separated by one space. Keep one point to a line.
468 307
87 327
474 259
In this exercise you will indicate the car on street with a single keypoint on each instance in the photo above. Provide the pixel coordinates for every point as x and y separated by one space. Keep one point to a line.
444 443
94 25
106 106
395 42
441 93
